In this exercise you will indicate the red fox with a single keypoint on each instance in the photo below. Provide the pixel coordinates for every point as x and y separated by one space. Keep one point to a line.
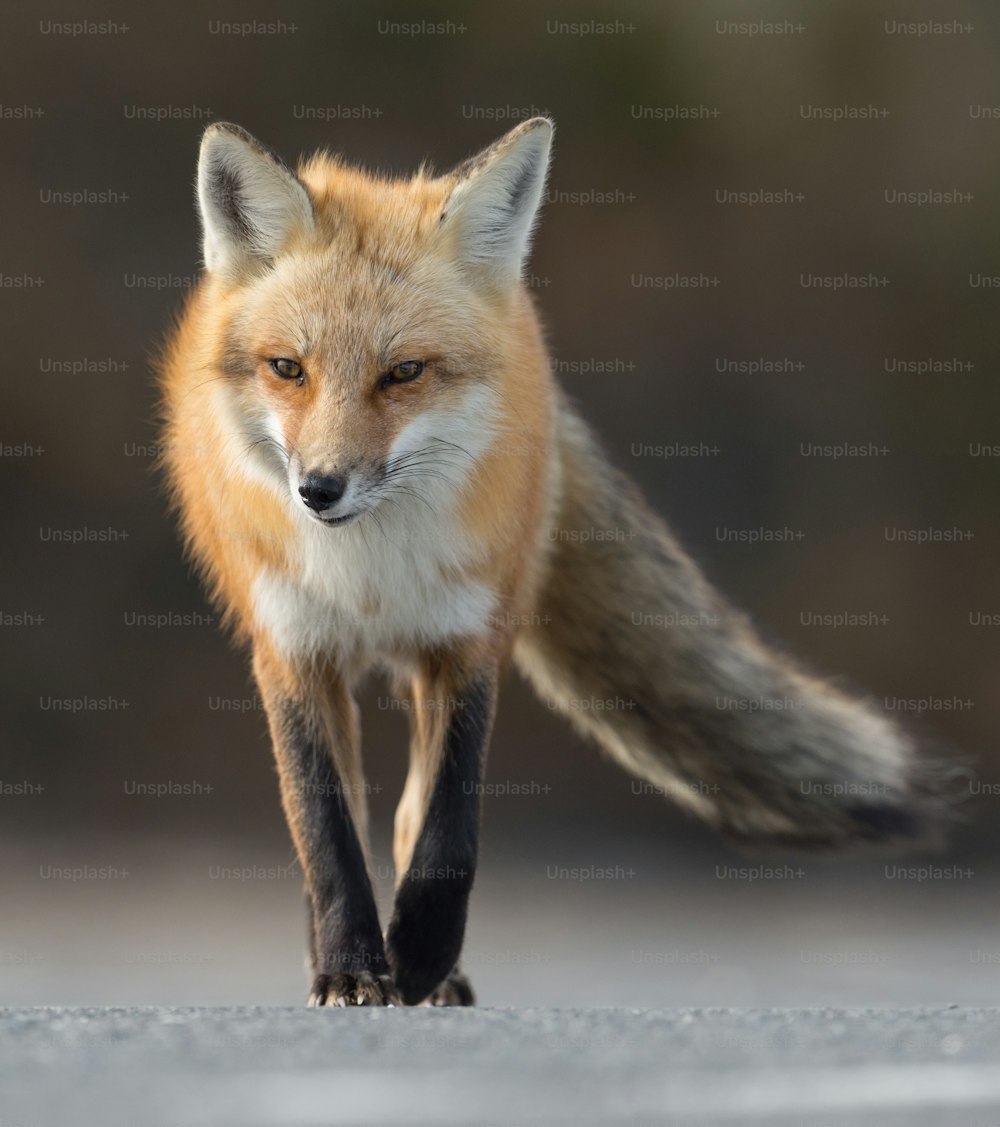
375 469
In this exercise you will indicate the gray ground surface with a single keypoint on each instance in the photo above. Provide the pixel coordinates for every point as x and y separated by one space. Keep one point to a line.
504 1068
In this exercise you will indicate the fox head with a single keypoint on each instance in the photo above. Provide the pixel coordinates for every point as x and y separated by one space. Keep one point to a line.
363 324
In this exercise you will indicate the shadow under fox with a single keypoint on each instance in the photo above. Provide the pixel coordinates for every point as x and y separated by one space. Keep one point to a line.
374 468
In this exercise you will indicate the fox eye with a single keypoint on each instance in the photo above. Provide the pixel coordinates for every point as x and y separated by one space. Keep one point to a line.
404 373
287 369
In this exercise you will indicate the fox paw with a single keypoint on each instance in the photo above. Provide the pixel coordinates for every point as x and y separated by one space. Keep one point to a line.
454 991
361 989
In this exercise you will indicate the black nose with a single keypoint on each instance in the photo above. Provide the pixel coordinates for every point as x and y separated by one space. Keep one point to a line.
321 492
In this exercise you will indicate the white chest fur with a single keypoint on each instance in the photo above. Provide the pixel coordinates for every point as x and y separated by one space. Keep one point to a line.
365 590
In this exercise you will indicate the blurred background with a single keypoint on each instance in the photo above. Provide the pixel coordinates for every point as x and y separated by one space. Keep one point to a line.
769 264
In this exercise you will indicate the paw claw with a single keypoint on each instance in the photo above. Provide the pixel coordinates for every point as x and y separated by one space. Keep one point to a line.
345 991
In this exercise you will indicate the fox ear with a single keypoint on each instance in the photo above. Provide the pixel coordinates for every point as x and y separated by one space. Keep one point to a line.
250 203
493 205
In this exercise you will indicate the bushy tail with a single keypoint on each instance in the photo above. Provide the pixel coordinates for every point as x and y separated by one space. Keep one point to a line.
642 654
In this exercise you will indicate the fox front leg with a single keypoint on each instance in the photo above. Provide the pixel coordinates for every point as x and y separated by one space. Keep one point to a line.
437 829
314 731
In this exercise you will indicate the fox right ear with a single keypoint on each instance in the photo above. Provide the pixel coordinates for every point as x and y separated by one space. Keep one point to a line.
251 204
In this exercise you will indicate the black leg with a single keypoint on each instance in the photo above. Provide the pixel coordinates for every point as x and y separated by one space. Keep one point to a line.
428 924
310 741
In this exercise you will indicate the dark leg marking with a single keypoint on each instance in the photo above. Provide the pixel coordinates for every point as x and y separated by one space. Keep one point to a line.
346 939
428 924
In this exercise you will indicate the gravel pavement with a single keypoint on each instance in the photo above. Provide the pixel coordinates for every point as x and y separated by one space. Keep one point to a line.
277 1067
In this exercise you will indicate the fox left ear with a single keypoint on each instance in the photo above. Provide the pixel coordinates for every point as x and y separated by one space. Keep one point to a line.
493 206
251 204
